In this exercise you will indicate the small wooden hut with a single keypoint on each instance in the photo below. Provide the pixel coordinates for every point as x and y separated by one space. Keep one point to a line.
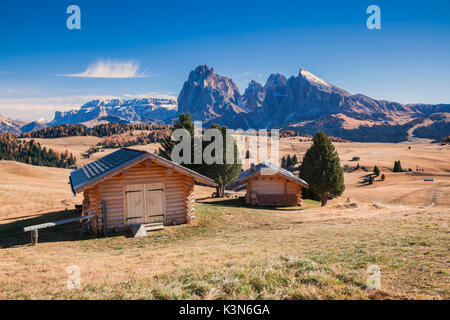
270 185
131 187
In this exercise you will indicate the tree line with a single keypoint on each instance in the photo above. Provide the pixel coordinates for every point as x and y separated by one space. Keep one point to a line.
120 141
376 133
289 161
436 131
101 130
31 152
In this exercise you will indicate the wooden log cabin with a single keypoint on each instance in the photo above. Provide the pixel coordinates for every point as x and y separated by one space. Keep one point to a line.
270 185
130 187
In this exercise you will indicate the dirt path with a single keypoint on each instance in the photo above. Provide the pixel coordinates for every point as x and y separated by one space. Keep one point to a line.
412 139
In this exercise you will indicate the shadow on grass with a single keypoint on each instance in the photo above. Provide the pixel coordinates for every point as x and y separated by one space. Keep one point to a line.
240 203
12 234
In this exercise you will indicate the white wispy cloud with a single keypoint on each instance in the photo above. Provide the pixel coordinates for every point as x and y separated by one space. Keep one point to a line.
111 69
16 91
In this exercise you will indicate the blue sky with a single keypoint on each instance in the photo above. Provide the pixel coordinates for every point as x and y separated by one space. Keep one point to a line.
148 48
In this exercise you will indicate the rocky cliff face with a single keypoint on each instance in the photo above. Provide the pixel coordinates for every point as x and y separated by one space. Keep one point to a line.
253 97
210 97
305 102
307 97
282 102
213 98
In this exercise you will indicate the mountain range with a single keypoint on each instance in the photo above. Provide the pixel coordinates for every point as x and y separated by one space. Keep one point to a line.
304 103
147 110
17 127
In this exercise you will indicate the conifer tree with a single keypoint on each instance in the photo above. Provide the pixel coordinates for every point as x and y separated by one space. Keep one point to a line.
397 166
184 122
283 162
222 174
288 161
321 169
225 173
376 171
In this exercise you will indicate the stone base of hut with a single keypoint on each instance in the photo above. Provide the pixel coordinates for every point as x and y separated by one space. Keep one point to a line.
276 200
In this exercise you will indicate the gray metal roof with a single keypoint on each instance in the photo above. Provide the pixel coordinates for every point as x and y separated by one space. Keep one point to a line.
268 168
102 166
113 161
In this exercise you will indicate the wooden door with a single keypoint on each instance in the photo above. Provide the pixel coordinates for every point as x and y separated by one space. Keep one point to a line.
156 202
135 203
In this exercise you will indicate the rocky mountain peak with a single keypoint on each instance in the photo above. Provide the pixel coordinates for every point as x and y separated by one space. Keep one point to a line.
308 76
201 73
275 80
253 97
309 79
206 95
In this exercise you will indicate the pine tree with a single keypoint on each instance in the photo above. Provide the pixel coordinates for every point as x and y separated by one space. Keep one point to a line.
322 170
294 159
383 177
288 161
283 162
222 174
226 173
376 171
184 122
397 166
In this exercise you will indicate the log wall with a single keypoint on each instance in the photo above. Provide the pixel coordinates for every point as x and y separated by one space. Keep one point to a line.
273 190
179 195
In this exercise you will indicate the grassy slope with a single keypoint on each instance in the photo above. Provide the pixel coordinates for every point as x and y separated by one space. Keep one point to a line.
241 252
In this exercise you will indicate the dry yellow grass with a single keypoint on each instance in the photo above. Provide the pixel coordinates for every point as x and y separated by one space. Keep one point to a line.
239 252
79 145
27 190
76 145
399 188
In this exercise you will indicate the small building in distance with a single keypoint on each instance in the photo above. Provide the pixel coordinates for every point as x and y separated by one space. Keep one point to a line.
270 185
356 158
130 187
